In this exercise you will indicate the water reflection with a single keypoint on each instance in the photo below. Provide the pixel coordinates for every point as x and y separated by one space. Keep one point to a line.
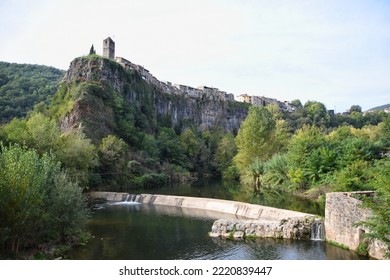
144 232
212 188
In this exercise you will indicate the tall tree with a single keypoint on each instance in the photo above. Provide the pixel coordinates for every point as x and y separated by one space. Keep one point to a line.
305 153
92 50
226 150
255 138
171 148
297 103
38 201
355 108
317 113
192 145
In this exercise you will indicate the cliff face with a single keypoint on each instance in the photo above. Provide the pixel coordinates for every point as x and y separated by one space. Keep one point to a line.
110 90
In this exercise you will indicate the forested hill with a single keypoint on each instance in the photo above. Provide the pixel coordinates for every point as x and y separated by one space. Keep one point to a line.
22 86
380 108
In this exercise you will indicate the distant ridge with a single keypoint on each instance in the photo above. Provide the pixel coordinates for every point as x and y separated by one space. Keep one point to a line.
385 108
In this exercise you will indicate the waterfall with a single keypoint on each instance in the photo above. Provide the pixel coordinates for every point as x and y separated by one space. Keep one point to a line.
317 230
133 198
129 199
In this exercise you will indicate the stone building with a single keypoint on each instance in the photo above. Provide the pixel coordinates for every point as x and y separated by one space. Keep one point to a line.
342 213
166 87
109 48
264 101
245 98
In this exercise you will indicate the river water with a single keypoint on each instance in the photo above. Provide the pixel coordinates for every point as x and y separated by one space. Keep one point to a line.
143 232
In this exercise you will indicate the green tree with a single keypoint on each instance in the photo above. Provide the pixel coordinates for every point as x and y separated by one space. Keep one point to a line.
385 134
379 223
276 171
23 180
353 145
317 113
171 148
209 140
43 133
282 136
112 153
354 177
192 145
355 108
16 131
301 160
113 161
74 150
225 152
33 189
38 131
92 50
357 119
77 154
256 171
297 103
149 145
67 208
255 138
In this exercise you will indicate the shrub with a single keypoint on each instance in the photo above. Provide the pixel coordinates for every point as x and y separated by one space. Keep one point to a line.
38 202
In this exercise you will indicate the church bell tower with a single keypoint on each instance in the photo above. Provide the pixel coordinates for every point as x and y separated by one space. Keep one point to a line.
109 48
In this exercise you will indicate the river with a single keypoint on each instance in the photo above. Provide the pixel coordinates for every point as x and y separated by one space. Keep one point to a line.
143 232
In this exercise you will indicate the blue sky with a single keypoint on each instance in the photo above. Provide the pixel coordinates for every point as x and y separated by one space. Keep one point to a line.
335 52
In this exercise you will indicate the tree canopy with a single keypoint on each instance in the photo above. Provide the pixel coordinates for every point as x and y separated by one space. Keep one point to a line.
23 86
255 137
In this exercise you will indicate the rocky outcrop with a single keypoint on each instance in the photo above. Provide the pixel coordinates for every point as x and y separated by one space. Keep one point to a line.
291 228
175 109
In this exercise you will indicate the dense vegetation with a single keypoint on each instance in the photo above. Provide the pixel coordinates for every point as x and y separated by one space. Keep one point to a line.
317 158
127 146
22 86
39 202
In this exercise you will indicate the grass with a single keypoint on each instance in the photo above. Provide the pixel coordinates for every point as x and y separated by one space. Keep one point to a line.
334 243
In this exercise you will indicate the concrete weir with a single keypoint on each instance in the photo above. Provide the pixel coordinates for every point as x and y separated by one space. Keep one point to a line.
247 219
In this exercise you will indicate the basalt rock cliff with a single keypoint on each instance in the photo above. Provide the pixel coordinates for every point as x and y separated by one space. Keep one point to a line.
106 98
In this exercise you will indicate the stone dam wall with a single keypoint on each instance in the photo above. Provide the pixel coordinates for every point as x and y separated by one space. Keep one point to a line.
240 210
342 212
234 219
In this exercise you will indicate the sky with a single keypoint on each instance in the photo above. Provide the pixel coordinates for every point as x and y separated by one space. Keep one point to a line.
333 51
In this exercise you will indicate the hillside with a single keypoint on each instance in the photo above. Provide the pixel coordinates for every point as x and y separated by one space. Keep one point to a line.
380 108
22 86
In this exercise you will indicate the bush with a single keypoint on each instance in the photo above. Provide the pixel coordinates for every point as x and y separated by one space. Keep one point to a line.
362 249
38 202
275 171
355 177
231 173
149 181
67 208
